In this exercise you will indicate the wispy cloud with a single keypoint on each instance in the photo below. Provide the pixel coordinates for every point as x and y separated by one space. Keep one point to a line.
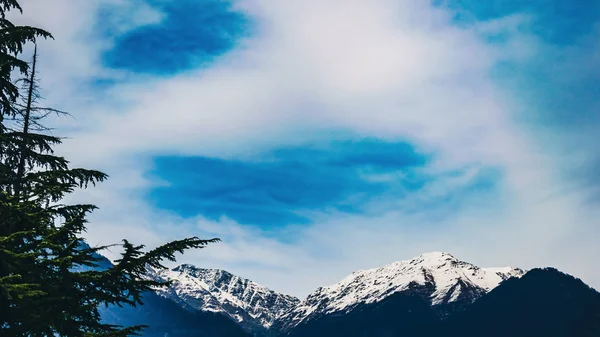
475 128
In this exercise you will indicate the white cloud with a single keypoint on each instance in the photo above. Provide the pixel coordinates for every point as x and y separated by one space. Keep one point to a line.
73 57
389 69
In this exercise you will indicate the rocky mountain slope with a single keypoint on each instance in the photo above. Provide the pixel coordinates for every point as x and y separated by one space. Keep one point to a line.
249 304
164 317
438 278
544 302
432 295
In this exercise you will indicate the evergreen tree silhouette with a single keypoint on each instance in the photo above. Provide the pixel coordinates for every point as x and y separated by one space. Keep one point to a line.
44 291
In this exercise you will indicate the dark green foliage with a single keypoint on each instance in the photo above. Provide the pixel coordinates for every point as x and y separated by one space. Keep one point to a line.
49 281
7 5
12 40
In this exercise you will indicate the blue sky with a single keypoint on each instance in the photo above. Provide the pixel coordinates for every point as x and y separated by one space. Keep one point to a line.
284 186
275 189
335 135
556 21
192 33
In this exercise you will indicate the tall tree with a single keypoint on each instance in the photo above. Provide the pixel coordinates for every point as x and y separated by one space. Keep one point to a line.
44 291
12 40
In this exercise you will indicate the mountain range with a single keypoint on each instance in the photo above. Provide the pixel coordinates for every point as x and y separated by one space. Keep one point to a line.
432 295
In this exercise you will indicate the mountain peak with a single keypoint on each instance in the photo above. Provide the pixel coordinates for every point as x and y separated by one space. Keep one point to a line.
433 259
204 273
185 266
438 277
436 256
252 305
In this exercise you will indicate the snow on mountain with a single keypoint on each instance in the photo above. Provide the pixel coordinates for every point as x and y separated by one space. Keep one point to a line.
441 278
253 306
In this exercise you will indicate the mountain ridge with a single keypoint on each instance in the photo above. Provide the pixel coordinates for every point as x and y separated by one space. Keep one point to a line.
444 278
248 303
544 302
431 295
438 278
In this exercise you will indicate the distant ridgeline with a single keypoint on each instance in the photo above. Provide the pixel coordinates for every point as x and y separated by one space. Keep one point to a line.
433 295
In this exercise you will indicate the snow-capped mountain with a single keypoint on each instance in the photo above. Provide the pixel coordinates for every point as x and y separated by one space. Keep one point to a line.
438 277
251 305
431 295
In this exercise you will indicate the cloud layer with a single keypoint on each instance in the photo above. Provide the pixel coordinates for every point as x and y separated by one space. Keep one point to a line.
501 112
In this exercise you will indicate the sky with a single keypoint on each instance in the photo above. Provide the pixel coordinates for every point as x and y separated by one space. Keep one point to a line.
316 138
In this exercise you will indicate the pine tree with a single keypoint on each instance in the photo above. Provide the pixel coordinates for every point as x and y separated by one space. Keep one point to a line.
44 291
12 40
